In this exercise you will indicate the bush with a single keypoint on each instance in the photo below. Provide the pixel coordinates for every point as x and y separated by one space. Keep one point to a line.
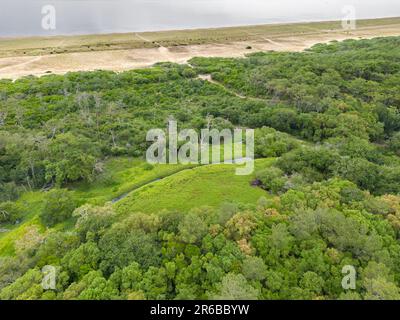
351 194
9 191
9 212
58 207
394 143
270 143
272 179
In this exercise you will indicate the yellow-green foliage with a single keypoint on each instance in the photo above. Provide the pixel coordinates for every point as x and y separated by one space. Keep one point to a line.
122 175
127 175
208 185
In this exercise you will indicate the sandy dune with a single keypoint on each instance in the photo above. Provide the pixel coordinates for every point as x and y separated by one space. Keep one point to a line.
120 60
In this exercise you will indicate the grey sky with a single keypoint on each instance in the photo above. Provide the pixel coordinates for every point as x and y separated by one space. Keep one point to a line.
23 17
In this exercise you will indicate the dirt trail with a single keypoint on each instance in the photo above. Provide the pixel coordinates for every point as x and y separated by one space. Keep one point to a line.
265 39
121 60
28 61
165 54
208 77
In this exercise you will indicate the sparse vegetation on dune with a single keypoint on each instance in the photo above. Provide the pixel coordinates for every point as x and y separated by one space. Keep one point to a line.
99 42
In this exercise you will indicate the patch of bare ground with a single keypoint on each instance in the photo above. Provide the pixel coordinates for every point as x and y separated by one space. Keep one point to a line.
121 60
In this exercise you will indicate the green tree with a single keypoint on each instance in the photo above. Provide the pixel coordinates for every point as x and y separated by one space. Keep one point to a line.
235 287
133 246
254 268
27 287
59 205
312 282
193 228
394 143
72 158
10 212
93 286
92 222
272 179
82 260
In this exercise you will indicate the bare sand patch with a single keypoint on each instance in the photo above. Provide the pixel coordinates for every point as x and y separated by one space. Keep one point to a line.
121 60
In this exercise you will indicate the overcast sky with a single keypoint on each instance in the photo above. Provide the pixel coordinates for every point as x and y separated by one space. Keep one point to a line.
24 17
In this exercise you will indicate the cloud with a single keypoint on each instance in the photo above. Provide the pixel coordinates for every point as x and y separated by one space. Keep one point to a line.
23 17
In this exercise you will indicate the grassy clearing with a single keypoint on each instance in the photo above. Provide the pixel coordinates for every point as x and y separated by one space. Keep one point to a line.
32 201
34 46
154 188
122 175
208 185
8 239
127 174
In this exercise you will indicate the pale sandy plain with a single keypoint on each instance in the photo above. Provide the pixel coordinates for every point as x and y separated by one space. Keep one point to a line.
13 67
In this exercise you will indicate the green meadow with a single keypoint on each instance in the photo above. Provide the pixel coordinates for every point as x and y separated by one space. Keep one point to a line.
133 185
209 185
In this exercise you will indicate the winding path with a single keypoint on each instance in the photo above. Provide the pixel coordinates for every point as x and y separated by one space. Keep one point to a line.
208 77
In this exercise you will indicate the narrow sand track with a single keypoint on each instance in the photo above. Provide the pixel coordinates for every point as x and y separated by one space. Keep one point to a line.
28 61
165 54
208 77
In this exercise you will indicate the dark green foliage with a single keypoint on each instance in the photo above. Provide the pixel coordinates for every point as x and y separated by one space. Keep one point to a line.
58 207
10 212
394 143
71 158
133 243
272 179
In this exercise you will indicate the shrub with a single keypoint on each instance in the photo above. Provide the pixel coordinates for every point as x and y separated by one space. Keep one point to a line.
9 212
58 207
272 179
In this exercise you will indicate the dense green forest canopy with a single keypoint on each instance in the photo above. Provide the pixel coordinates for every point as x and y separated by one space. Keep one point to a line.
327 119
